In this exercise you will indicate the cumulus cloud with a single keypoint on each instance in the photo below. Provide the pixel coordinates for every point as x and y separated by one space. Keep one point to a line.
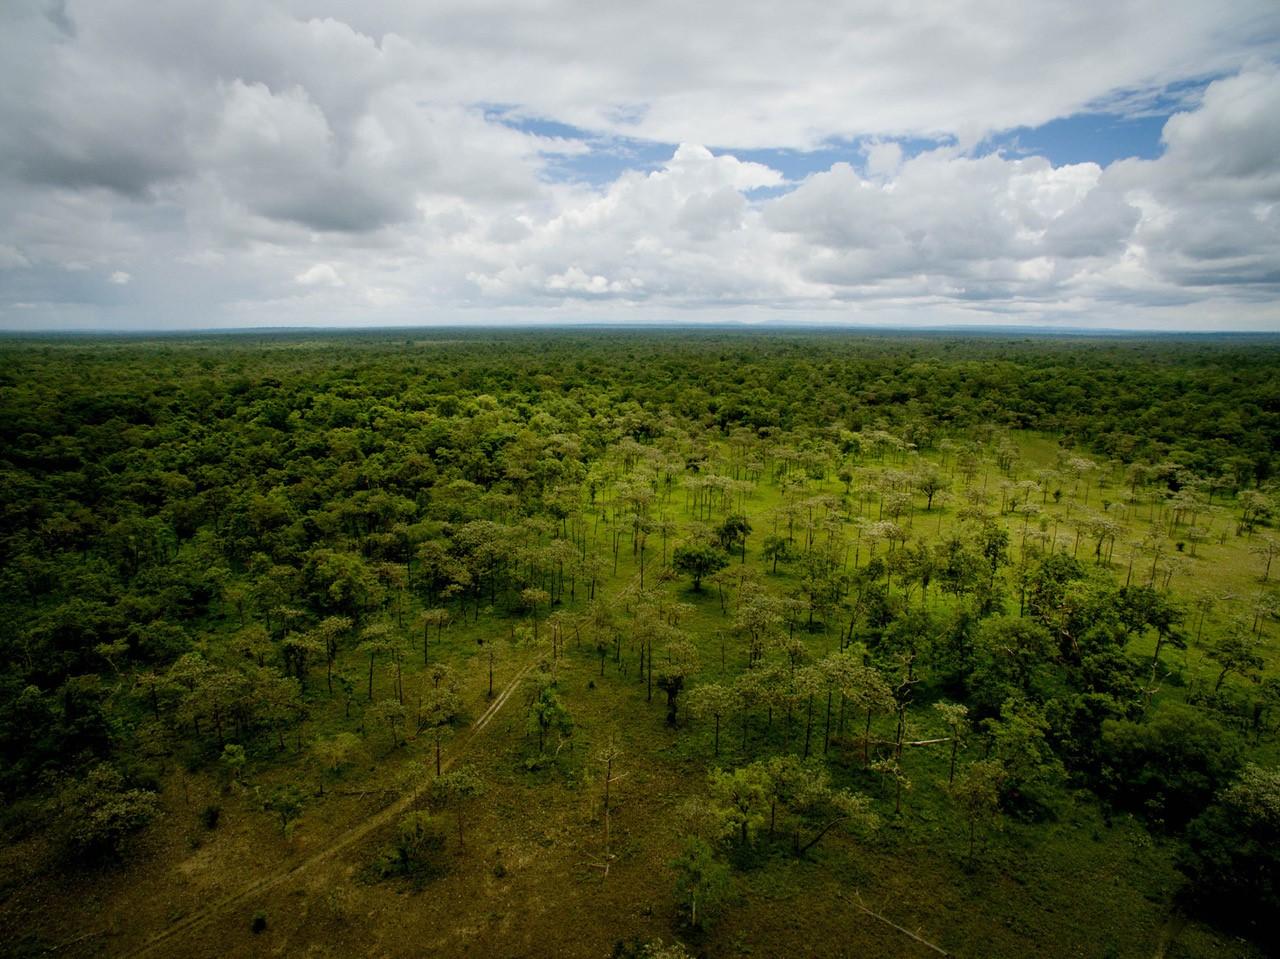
275 162
747 74
322 274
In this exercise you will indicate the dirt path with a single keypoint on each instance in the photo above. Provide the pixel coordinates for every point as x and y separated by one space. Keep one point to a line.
350 837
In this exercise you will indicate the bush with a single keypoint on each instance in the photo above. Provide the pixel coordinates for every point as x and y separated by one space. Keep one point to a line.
286 801
1168 766
259 922
1232 857
415 853
95 816
210 815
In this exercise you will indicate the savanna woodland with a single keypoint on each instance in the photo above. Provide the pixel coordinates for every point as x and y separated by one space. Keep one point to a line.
639 644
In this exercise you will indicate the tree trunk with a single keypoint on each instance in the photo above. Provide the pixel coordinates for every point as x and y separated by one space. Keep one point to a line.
826 733
866 742
808 726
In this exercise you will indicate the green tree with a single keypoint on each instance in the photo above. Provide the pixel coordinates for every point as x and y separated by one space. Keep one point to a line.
458 790
956 719
391 713
531 599
739 799
547 714
1170 764
732 534
775 548
702 882
678 663
438 710
415 853
287 802
1236 652
333 754
712 700
976 794
698 560
1232 854
95 816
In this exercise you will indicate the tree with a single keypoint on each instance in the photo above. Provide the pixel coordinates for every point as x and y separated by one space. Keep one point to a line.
392 713
1018 740
813 804
458 790
286 801
891 768
739 798
1236 652
439 708
956 718
862 687
330 633
376 638
531 599
733 533
701 881
420 838
1169 765
1268 547
547 713
1232 855
231 765
712 700
333 754
930 484
698 560
1012 654
95 816
775 548
1254 505
608 755
680 662
977 795
437 617
298 649
993 544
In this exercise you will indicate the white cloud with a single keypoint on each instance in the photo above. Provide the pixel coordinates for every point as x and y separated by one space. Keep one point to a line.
345 163
322 274
884 158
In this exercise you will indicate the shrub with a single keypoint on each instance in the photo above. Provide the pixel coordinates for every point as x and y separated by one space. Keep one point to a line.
210 815
1168 766
95 816
415 853
1232 857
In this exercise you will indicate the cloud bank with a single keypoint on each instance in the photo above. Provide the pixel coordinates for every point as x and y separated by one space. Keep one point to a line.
256 163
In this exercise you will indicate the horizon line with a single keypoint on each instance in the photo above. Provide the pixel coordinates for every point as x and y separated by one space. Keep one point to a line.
744 326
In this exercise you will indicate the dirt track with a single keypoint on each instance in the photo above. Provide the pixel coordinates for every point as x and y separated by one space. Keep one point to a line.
382 818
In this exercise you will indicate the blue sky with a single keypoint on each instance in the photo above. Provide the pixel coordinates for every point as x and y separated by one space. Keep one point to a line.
964 162
1087 137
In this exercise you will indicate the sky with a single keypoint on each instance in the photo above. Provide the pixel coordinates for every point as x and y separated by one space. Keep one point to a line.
244 163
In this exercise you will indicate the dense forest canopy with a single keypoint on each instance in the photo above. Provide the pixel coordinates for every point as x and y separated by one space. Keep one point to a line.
915 581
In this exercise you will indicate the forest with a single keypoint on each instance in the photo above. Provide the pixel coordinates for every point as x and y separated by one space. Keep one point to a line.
639 643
